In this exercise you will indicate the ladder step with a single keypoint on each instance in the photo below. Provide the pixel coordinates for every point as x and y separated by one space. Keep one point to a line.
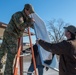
24 55
28 72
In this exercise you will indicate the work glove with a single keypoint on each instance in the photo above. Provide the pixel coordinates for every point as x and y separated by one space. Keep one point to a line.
30 20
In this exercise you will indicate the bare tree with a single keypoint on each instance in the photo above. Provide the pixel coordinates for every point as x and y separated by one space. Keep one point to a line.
55 30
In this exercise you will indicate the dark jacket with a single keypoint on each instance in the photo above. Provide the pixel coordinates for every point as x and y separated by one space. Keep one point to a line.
36 55
67 52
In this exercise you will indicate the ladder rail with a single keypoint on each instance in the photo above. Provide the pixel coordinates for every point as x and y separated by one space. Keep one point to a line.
32 51
17 59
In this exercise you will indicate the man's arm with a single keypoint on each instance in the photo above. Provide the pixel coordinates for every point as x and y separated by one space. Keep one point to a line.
56 48
19 21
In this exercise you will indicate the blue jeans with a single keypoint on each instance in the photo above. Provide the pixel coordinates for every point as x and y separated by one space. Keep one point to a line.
31 69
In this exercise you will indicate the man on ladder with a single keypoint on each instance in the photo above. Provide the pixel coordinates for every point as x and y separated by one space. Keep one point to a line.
19 21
